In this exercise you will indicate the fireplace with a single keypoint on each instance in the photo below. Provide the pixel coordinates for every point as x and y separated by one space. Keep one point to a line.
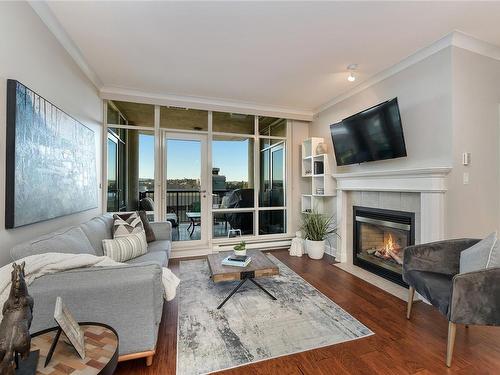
379 239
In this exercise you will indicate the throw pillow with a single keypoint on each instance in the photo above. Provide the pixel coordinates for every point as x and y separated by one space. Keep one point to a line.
150 235
494 259
125 248
476 257
126 224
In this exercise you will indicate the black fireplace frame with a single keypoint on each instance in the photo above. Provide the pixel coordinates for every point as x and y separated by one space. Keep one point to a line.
402 217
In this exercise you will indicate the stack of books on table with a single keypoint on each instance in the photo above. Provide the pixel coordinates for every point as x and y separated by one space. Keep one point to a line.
237 260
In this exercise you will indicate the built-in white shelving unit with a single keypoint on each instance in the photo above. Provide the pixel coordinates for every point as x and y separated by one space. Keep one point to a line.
316 168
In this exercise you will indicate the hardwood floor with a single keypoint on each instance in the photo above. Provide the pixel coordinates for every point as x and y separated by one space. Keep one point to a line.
399 346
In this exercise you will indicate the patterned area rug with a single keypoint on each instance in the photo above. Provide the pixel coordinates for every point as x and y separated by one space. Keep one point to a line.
251 327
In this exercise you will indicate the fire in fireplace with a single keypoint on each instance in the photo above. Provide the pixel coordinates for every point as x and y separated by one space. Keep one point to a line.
379 239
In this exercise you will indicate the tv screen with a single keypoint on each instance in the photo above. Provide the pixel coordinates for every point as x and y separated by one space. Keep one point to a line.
373 134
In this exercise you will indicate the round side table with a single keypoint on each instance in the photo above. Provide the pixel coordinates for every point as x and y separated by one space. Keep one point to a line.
101 351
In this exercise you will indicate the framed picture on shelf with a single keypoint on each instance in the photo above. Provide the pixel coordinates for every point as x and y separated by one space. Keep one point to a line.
70 327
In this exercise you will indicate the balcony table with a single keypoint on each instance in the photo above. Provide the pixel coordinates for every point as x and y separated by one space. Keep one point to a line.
195 218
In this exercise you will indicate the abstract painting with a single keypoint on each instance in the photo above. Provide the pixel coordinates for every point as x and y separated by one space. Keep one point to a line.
51 160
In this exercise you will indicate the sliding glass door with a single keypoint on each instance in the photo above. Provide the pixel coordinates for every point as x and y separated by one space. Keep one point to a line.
185 200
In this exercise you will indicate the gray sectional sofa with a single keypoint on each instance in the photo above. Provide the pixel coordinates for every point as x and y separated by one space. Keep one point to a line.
129 298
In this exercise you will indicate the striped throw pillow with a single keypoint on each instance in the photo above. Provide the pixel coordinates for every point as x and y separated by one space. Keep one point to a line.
126 224
124 248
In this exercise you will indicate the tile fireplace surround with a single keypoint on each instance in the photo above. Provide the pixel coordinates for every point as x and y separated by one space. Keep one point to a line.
421 191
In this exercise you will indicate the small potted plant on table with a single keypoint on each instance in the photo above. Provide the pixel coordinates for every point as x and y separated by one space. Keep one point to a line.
317 227
240 249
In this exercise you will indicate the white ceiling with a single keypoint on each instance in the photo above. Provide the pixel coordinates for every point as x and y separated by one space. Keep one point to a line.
282 54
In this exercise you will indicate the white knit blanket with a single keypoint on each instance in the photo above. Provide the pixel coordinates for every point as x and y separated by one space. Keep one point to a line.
49 263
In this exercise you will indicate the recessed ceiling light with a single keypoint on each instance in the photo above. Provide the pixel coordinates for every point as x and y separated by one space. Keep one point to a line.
351 68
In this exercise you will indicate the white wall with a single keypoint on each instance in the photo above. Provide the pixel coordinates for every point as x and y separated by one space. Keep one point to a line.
424 94
473 209
30 54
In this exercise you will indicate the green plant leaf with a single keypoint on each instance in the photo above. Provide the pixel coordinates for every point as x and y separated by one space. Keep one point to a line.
317 226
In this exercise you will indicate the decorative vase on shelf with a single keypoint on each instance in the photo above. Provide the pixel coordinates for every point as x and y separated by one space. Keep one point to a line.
321 148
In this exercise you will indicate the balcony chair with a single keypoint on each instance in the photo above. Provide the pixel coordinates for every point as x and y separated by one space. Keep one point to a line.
240 198
147 204
463 298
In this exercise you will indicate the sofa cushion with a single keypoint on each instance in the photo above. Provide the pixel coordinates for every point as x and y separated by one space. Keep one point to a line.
158 257
127 224
125 248
150 234
434 287
160 245
98 229
476 257
69 241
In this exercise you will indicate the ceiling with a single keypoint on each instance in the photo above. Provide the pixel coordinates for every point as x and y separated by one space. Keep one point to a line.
282 54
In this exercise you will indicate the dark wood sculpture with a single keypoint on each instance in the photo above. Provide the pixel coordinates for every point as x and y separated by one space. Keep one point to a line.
14 329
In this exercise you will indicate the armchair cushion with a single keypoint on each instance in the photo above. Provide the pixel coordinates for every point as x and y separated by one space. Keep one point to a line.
476 257
434 287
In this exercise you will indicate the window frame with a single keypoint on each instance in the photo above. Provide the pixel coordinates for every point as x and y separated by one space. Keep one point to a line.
256 136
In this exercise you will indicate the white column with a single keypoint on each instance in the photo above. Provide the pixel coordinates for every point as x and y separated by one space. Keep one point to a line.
342 242
432 218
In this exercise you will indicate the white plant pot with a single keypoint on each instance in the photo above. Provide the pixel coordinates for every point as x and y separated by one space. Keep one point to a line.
315 249
240 252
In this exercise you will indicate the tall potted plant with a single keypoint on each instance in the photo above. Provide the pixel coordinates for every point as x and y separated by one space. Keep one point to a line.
317 227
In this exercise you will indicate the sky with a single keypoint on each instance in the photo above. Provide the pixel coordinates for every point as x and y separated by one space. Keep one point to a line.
183 158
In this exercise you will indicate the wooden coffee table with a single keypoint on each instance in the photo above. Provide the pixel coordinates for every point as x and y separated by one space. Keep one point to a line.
260 266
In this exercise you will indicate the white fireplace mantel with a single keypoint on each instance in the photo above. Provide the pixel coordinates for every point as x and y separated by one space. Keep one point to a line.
430 183
408 180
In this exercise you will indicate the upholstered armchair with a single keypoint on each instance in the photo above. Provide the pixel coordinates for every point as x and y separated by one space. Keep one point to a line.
464 298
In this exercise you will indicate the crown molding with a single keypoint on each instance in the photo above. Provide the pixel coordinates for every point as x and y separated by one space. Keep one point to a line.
43 11
472 44
203 103
455 38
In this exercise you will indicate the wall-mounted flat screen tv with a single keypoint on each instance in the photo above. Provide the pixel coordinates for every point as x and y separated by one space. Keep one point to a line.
373 134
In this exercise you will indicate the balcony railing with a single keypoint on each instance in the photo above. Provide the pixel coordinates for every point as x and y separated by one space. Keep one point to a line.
179 201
